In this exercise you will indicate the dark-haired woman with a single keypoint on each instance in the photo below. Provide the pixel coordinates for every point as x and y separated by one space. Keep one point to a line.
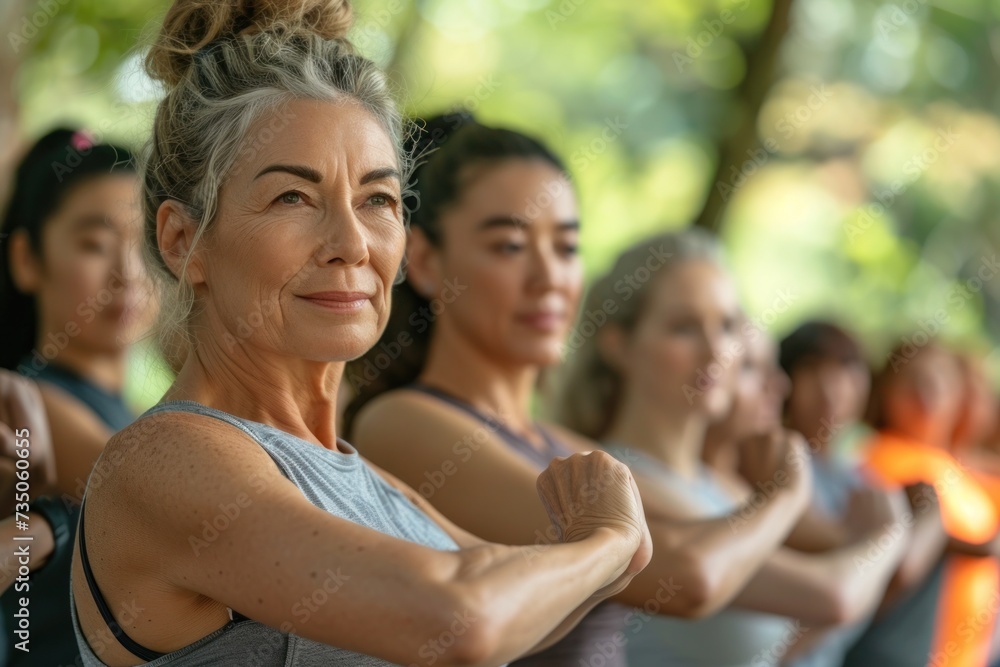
830 383
74 295
444 400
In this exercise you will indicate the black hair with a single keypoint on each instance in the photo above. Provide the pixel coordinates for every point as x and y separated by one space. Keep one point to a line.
443 148
818 341
57 163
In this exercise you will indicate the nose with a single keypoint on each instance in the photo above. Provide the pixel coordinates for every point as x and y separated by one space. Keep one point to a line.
343 240
546 271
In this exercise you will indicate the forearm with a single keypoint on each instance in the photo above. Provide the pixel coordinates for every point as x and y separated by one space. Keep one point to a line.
708 562
925 551
865 569
816 532
568 624
829 589
503 584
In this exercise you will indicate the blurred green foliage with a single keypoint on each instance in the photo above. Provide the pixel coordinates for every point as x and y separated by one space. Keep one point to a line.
872 197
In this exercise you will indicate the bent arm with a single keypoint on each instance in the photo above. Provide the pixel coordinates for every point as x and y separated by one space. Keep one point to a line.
281 542
817 532
704 563
78 438
836 588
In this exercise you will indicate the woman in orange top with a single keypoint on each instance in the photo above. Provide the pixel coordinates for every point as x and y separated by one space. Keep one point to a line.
915 405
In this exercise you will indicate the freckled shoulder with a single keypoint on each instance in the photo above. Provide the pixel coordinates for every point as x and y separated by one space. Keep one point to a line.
157 451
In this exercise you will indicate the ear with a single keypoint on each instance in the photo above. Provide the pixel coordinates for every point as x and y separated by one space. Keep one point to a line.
175 232
423 264
25 265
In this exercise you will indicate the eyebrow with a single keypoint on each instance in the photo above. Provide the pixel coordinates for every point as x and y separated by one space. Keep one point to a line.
380 174
88 222
308 173
521 223
313 176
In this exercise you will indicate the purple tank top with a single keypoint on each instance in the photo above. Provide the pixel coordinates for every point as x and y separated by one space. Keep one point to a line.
599 639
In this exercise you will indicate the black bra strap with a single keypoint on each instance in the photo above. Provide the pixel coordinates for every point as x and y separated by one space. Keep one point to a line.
117 630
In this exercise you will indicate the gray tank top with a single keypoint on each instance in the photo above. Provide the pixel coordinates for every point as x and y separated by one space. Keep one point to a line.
343 485
729 638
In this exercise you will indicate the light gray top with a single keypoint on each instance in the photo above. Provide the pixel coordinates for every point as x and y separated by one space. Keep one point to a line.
343 485
729 638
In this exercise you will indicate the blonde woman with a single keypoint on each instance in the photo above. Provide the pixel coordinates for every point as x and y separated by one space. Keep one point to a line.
649 384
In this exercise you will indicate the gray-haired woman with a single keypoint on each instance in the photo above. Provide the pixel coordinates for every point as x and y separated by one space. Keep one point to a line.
234 527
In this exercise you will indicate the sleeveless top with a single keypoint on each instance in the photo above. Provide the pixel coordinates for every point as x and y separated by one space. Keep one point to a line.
53 641
343 485
598 638
728 638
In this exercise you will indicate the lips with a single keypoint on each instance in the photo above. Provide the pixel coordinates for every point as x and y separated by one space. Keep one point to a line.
337 301
543 320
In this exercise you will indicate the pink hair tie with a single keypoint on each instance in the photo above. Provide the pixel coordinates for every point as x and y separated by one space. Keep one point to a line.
81 140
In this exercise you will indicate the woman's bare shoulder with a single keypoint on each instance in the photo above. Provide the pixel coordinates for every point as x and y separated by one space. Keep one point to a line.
175 450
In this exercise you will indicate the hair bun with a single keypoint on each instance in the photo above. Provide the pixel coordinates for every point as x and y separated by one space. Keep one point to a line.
190 25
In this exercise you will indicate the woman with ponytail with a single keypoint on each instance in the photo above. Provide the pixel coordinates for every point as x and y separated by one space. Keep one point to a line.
648 384
231 525
444 400
73 296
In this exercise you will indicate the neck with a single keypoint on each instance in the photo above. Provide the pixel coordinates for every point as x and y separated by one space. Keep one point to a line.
293 394
674 438
504 390
105 369
721 450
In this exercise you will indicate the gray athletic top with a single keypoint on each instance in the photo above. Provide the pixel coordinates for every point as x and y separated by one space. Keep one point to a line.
729 638
343 485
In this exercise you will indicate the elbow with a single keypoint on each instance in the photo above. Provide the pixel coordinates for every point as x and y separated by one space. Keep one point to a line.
464 635
700 592
837 607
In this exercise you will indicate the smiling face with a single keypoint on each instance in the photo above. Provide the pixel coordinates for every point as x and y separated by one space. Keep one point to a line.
307 239
684 347
510 241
